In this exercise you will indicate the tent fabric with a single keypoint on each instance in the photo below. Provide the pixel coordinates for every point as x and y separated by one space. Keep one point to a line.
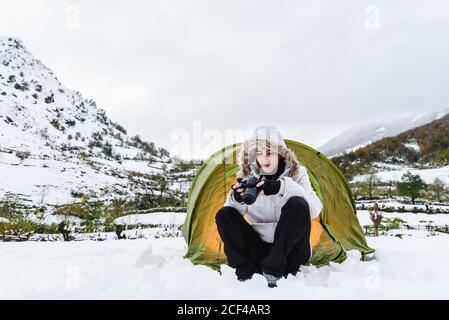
334 232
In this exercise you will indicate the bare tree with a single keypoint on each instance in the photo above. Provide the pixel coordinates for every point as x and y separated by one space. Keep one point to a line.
376 218
369 185
439 190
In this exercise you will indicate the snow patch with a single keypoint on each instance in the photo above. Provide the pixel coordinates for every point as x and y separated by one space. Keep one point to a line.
412 145
428 175
148 258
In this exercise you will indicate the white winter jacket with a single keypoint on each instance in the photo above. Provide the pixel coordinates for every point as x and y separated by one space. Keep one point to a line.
264 214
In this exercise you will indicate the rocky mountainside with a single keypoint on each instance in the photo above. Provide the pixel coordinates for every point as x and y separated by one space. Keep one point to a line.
57 146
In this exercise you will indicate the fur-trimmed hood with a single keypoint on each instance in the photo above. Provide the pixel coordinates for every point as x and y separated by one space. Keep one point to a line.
270 138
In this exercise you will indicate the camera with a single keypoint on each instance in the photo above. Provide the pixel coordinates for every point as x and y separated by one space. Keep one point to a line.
250 194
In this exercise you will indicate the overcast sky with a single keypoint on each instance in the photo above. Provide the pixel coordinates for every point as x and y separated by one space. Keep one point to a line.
310 68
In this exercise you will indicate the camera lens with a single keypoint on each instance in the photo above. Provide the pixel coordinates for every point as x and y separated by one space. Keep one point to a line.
250 195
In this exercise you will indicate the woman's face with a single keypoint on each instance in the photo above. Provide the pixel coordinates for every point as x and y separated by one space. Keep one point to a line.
267 160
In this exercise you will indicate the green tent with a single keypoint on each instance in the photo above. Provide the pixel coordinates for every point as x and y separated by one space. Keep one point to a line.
335 231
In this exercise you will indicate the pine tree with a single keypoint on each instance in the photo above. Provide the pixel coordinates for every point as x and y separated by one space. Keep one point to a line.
411 186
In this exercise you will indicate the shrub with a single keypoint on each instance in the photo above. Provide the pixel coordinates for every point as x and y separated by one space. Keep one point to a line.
22 155
64 229
55 123
119 128
50 99
70 123
107 149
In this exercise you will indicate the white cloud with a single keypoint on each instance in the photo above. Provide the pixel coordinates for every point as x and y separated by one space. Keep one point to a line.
310 68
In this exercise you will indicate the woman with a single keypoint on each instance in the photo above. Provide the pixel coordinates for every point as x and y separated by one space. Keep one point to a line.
274 240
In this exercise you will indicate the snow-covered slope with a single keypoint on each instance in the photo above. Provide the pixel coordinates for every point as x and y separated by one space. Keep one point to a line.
362 135
55 144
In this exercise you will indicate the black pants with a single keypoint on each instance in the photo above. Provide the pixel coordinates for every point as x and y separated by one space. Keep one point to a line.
249 254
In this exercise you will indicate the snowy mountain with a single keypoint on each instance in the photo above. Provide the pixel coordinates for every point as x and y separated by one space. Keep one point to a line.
56 145
363 135
423 150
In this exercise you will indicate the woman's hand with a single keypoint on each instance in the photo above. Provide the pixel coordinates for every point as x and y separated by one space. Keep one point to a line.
269 187
260 186
238 192
236 188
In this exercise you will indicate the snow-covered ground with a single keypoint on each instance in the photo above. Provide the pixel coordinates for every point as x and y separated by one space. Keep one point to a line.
394 174
165 218
410 217
408 268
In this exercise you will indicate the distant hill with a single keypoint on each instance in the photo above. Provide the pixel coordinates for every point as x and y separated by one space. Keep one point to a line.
424 147
365 134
